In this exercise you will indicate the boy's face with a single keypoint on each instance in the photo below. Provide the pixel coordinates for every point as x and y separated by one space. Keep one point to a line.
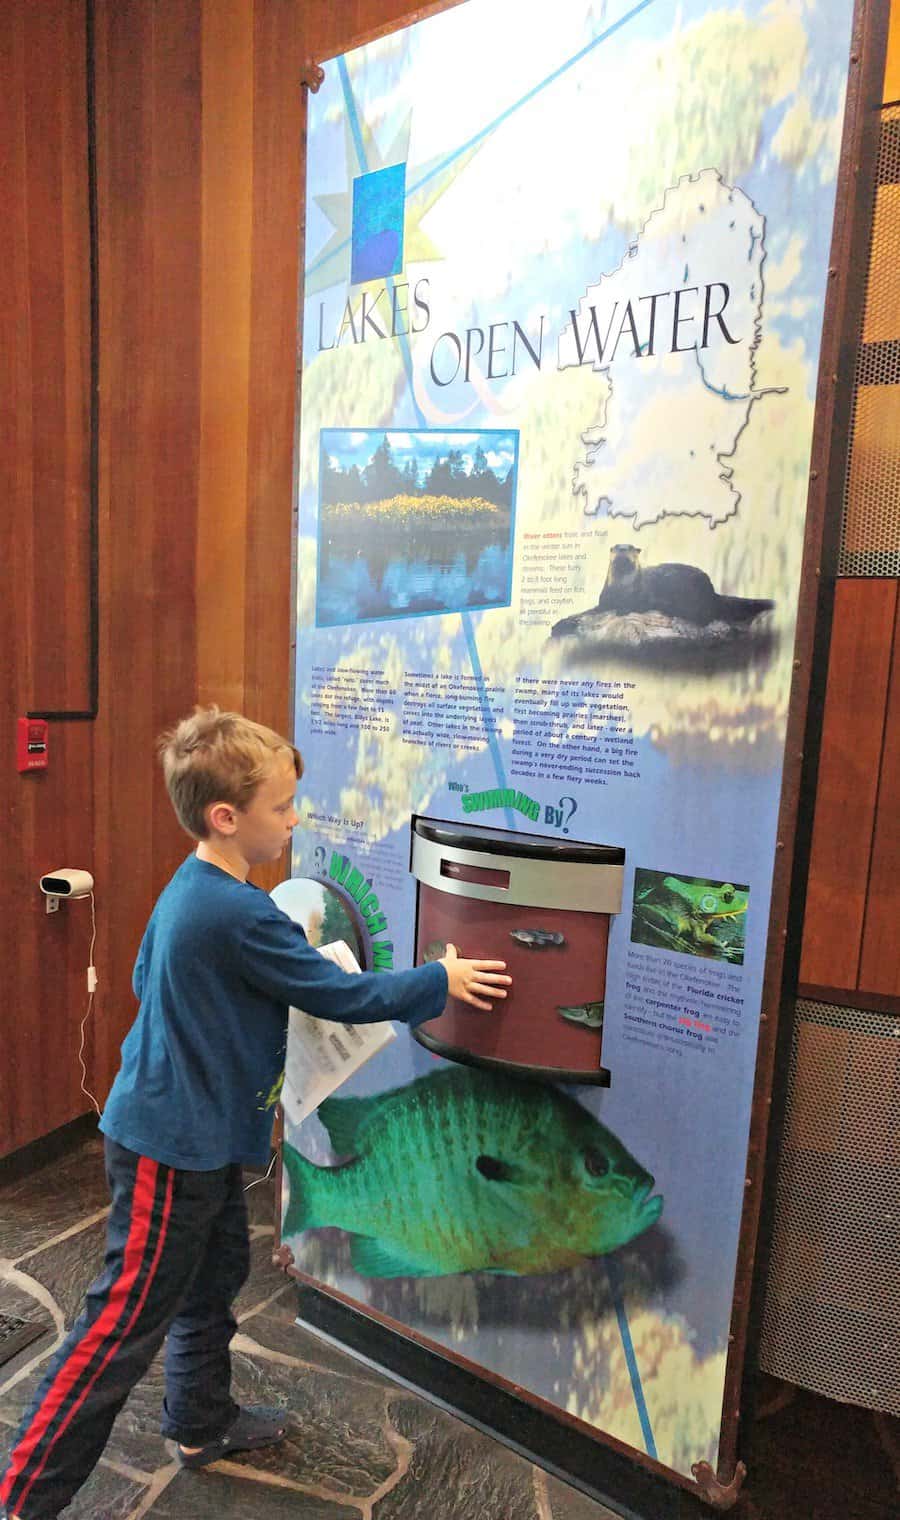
263 828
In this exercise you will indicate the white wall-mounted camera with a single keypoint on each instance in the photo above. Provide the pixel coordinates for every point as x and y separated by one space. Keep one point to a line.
66 882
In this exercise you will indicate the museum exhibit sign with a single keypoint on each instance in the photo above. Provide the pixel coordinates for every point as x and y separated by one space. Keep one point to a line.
575 280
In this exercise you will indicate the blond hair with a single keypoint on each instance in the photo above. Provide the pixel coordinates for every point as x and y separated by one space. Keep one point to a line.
216 756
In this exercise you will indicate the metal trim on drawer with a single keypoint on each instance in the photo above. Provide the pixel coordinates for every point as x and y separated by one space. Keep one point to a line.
532 883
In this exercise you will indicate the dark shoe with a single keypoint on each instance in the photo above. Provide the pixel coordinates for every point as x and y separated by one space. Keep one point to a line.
254 1426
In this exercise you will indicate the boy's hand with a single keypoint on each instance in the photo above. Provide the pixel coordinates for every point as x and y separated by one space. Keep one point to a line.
473 980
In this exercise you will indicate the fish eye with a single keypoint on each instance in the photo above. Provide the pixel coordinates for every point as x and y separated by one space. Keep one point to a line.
596 1164
491 1167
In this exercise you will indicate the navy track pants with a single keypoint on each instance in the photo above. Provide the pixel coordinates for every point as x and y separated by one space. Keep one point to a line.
177 1254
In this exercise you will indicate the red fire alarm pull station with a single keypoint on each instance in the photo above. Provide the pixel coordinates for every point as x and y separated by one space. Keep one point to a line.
32 744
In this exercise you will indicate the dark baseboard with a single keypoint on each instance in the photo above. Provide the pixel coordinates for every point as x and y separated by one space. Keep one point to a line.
48 1148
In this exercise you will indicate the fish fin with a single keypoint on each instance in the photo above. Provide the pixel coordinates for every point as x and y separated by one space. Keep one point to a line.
344 1118
371 1258
300 1171
590 1015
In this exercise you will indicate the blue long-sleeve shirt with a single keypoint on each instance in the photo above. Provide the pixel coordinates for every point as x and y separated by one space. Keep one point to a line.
217 970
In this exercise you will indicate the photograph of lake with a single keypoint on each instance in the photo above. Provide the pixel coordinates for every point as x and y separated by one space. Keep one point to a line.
414 522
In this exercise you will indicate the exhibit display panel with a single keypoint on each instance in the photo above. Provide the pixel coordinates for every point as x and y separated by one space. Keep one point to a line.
564 301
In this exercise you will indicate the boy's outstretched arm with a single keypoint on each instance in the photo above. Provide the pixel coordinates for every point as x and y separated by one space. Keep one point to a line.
275 956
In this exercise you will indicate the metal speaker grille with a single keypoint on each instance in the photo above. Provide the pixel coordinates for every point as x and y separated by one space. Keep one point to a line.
870 536
832 1313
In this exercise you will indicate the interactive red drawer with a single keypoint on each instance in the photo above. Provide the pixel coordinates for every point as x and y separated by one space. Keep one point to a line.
543 906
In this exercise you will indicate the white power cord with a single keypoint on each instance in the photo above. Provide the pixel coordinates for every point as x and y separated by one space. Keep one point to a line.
92 987
257 1180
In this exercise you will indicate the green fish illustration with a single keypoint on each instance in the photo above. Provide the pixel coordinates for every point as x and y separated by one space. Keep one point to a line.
466 1170
588 1014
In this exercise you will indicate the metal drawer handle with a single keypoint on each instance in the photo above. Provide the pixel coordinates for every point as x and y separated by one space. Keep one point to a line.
478 876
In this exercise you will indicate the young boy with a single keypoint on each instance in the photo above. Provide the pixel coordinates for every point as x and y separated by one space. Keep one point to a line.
217 969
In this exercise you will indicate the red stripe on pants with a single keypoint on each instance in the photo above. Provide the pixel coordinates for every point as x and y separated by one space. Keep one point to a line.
105 1325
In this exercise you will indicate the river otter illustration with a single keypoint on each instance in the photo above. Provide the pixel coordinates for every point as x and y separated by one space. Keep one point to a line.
678 591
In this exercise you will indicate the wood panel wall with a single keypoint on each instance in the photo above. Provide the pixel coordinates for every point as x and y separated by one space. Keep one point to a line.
44 553
879 964
850 949
199 129
853 893
329 29
892 64
200 137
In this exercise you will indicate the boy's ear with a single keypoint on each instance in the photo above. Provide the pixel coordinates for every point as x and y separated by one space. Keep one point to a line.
221 817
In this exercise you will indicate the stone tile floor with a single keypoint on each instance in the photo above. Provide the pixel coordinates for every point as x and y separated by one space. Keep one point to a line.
359 1447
